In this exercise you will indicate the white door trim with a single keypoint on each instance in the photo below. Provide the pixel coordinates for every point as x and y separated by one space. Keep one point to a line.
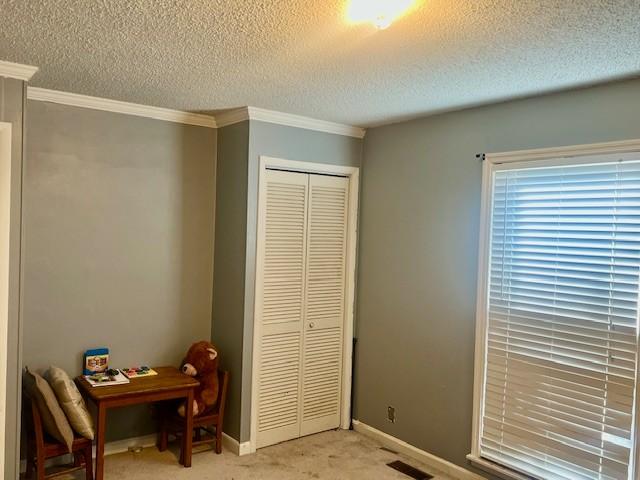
5 226
353 174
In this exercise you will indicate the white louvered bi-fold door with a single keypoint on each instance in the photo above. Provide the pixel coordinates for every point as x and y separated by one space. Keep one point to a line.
324 303
301 295
280 294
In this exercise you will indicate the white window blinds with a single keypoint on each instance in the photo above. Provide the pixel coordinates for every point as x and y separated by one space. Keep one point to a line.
562 320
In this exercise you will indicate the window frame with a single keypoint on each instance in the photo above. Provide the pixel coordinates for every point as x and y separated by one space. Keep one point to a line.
571 155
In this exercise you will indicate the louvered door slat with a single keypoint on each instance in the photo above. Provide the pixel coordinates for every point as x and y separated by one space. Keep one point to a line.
280 297
325 303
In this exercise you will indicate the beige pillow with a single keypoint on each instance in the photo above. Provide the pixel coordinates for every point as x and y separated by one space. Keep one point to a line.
53 419
71 401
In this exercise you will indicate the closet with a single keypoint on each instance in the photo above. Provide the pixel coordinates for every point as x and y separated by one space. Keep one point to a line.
300 304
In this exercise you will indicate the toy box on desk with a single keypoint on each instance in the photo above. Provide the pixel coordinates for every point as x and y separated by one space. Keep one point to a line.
96 361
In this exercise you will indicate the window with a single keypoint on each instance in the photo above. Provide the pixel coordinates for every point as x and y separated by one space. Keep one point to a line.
556 360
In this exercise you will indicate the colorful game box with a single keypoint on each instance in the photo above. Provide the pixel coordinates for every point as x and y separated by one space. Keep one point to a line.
96 361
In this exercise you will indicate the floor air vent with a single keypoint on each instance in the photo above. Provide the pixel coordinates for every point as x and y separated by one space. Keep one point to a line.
409 470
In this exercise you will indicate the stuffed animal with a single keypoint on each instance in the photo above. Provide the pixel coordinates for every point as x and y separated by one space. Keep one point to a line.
201 362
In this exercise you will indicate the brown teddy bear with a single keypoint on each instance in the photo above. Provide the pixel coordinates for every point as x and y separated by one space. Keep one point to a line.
201 362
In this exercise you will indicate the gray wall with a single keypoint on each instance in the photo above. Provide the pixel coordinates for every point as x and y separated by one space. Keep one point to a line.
230 246
118 241
420 206
239 150
12 97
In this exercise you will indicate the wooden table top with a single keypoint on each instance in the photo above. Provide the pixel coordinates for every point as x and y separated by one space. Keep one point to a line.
168 378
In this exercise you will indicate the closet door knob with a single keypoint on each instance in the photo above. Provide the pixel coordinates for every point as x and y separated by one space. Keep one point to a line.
311 324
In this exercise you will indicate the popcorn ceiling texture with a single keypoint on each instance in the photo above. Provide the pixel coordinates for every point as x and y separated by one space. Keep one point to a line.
302 57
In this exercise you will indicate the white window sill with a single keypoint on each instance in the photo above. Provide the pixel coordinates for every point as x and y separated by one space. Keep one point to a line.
495 469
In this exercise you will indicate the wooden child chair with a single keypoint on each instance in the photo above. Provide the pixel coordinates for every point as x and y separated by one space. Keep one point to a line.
41 447
171 422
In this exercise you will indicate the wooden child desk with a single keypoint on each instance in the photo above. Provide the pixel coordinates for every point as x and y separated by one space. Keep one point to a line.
170 383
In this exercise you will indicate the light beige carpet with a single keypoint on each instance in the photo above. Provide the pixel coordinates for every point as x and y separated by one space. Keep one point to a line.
343 455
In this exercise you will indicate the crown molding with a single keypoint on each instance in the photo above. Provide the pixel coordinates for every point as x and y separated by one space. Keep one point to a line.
230 117
298 121
220 120
116 106
17 71
287 119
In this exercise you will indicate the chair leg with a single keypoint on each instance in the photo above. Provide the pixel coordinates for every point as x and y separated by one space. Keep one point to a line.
88 462
198 434
181 437
163 437
218 439
31 467
40 466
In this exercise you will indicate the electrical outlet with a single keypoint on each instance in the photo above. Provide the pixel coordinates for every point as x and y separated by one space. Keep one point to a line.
391 414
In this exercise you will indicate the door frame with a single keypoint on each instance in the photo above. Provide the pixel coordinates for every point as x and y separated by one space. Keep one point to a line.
5 230
353 175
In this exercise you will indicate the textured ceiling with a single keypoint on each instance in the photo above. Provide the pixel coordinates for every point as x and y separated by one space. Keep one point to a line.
302 57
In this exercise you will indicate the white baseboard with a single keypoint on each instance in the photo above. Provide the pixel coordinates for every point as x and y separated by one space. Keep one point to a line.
393 443
234 446
110 448
146 441
121 446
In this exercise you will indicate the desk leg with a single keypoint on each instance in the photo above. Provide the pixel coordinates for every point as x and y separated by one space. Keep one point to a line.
100 436
188 430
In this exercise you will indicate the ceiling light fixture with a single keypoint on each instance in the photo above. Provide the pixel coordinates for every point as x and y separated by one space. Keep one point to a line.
380 13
